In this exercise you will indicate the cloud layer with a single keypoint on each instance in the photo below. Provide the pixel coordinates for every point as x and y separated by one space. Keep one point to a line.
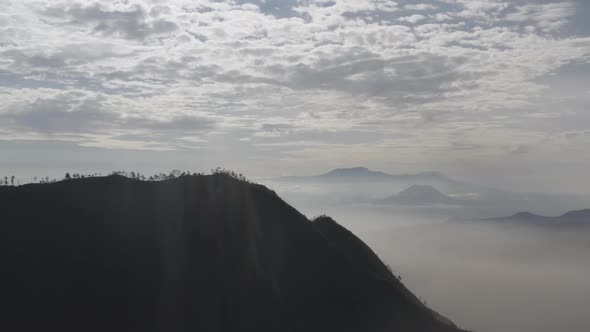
304 81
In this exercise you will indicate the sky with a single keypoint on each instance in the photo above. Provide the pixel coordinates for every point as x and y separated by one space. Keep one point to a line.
496 92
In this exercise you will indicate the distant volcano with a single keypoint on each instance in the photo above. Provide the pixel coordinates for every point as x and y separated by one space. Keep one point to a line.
354 172
420 195
359 174
196 253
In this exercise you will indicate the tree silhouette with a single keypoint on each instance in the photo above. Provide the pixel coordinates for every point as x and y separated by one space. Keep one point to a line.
161 176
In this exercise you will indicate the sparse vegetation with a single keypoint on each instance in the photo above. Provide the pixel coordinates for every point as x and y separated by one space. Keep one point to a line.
5 181
238 176
320 217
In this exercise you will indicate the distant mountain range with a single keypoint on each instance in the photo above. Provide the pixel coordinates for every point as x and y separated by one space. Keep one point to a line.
357 175
347 186
570 217
355 172
420 195
364 174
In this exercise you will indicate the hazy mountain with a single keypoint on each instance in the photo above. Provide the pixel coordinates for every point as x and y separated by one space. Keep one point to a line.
362 177
364 174
360 185
581 215
420 195
568 218
196 253
355 172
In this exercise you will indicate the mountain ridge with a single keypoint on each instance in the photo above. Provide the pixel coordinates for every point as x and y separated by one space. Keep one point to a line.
569 217
365 173
208 253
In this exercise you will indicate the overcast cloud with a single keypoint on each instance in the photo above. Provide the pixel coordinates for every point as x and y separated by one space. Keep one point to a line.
471 88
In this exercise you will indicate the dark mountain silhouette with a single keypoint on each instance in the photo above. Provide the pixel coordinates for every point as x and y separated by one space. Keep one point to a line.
568 218
195 253
420 195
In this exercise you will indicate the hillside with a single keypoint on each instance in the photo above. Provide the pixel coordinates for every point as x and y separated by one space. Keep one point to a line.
196 253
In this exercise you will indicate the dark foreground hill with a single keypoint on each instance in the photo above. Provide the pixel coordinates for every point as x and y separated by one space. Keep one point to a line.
199 253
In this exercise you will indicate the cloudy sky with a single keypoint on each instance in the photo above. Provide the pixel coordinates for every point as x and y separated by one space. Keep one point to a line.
493 91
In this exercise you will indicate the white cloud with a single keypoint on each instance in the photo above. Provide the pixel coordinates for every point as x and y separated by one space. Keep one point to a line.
205 69
420 6
413 18
548 17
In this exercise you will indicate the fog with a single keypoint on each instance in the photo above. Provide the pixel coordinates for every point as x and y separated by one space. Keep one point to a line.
492 277
485 276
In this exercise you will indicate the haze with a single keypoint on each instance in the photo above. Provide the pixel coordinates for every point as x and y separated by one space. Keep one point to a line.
479 108
489 275
490 91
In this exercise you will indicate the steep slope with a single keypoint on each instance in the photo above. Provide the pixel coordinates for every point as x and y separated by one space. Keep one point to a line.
206 253
362 257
